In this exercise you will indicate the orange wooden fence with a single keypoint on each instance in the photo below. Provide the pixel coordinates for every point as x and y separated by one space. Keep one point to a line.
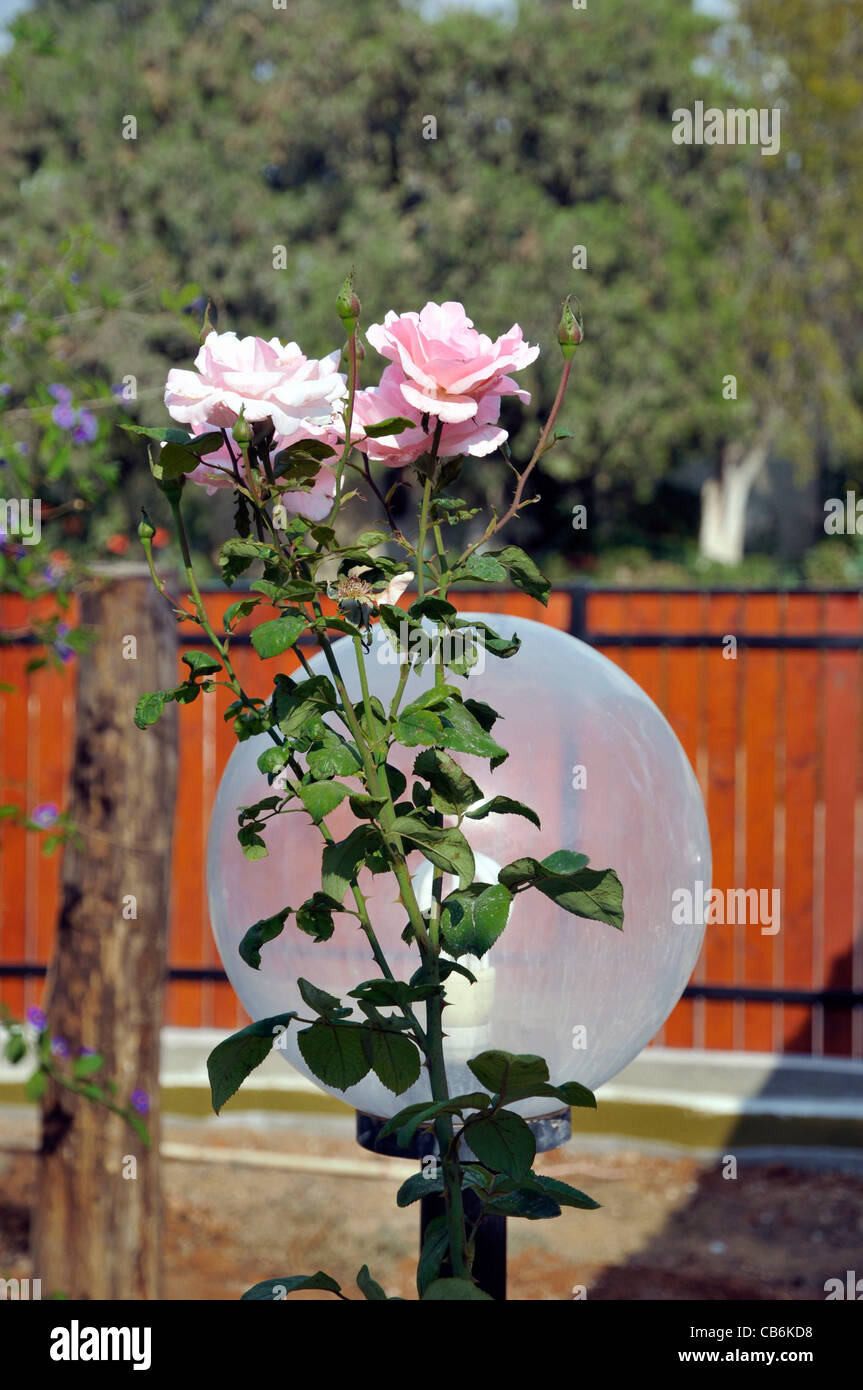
773 735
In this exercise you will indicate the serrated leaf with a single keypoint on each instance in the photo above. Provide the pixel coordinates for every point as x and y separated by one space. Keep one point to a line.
473 919
485 568
320 798
276 636
446 849
394 1059
504 1071
230 1063
334 1053
523 572
150 707
503 1141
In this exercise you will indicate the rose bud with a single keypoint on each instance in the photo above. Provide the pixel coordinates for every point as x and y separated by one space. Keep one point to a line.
570 330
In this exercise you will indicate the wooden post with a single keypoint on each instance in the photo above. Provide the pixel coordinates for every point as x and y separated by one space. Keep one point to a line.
97 1226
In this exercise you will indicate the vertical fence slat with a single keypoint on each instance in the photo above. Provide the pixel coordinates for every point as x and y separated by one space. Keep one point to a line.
802 686
682 711
842 732
722 695
760 674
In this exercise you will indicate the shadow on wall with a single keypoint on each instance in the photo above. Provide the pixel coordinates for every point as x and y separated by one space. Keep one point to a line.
760 1228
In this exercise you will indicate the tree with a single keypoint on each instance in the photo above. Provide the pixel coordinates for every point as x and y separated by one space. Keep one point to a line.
464 157
798 268
98 1214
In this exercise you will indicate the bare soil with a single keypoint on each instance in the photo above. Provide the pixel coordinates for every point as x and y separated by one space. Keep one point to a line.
668 1228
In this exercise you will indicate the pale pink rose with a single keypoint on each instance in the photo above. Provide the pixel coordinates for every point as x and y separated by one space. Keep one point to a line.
477 436
315 504
448 367
266 380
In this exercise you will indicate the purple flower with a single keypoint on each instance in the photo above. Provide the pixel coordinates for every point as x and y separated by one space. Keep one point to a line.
45 815
5 388
86 429
86 1052
37 1018
16 320
64 416
60 393
23 448
59 1047
76 277
141 1101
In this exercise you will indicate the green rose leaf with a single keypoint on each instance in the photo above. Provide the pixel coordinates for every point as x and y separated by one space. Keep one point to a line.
230 1063
150 707
521 569
491 640
452 789
258 934
433 1253
320 798
272 1289
593 893
315 917
202 663
455 1290
418 1186
503 1141
504 806
310 698
320 1001
472 919
504 1071
446 849
393 1058
334 1052
276 636
485 568
394 424
341 861
526 1201
369 1288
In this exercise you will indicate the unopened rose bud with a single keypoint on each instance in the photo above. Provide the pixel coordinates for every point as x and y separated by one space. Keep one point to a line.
146 529
241 430
570 330
348 306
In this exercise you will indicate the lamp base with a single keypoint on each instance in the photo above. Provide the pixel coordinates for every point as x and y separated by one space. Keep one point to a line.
489 1264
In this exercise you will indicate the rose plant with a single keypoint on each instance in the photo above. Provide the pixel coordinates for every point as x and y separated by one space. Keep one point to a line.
289 435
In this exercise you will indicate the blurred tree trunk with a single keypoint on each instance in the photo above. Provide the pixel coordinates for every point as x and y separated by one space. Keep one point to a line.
98 1218
724 502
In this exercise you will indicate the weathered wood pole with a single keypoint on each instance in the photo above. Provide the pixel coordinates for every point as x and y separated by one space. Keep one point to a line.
97 1226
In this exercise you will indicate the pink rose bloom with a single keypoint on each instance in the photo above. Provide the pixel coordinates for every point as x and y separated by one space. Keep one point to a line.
448 367
479 435
266 380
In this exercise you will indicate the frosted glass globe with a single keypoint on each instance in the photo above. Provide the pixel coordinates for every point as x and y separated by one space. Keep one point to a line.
592 754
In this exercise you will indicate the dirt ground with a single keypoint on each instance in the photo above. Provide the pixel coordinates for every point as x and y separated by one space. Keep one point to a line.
668 1228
